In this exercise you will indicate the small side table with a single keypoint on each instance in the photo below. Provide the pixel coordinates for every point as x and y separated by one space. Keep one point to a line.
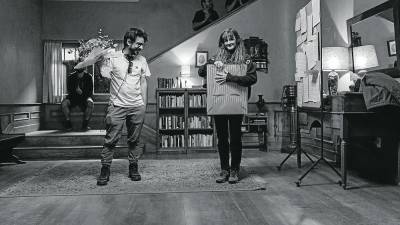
256 123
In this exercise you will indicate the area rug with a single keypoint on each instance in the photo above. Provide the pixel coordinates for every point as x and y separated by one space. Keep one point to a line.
74 177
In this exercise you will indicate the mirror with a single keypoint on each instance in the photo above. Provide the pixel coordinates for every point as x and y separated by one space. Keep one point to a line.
374 28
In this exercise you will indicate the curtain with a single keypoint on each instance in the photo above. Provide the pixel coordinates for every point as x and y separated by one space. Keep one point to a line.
54 80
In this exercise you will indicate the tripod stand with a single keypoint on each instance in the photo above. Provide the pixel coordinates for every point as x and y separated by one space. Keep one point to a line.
321 158
288 100
294 139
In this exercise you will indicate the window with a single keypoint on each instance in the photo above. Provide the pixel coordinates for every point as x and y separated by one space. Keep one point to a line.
70 57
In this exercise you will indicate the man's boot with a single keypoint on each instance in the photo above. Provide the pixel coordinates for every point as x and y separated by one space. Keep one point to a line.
85 125
67 125
133 172
104 175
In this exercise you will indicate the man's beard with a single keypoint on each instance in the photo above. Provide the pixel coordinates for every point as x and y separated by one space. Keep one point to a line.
134 51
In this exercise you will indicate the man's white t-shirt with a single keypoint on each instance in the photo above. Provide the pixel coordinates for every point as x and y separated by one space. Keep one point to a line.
125 88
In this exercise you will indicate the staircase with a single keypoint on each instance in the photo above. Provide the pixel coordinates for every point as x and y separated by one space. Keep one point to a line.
58 144
52 143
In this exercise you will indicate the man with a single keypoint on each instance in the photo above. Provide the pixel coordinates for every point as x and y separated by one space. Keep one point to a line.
204 16
128 96
80 91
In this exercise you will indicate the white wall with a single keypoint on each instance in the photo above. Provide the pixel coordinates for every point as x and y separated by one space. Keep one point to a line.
271 20
21 58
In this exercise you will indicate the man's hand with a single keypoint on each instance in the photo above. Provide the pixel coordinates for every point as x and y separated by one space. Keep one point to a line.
79 90
220 77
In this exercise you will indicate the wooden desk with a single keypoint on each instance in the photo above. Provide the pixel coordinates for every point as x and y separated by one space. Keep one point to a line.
253 123
348 119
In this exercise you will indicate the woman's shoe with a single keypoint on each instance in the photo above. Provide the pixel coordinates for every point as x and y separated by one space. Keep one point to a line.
234 177
223 176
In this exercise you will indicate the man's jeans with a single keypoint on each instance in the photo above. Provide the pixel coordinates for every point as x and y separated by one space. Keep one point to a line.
116 116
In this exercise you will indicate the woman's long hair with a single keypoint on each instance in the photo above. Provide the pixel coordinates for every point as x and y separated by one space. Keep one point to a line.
238 56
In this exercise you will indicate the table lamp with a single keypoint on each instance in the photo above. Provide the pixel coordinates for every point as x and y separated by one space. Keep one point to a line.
364 57
334 59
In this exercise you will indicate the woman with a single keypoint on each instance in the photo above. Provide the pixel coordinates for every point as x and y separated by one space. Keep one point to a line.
231 51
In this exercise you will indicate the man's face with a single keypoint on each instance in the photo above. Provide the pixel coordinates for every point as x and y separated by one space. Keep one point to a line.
135 46
208 4
230 42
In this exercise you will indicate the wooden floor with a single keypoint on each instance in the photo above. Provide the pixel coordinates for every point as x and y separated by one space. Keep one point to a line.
319 201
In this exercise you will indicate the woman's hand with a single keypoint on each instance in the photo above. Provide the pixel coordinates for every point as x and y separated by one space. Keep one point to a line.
219 64
220 76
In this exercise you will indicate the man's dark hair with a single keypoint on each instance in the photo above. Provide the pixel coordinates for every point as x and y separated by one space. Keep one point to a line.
134 32
202 2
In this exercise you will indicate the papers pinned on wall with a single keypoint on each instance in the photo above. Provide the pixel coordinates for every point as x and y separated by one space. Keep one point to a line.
297 24
311 51
308 66
306 19
309 27
303 20
315 12
301 62
314 89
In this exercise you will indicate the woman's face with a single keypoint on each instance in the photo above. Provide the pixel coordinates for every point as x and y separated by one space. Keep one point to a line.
230 42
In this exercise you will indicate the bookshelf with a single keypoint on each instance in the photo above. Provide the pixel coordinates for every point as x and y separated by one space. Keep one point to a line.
254 123
182 122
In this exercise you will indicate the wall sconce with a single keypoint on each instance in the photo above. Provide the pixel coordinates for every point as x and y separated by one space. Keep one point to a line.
334 59
185 70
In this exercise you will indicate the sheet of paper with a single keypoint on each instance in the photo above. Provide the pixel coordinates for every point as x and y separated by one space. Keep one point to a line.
305 89
301 62
311 50
299 40
309 27
297 24
314 87
315 12
304 37
303 20
315 47
300 94
298 76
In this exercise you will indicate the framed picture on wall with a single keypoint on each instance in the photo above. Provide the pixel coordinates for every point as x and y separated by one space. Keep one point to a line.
391 47
201 58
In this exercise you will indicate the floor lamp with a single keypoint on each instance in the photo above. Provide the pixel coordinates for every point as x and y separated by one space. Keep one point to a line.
333 59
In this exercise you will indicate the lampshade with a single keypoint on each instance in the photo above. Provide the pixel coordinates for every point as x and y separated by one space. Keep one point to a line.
335 58
185 70
365 57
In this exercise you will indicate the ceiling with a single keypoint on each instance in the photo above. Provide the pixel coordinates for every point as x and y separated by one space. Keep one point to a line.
93 0
387 14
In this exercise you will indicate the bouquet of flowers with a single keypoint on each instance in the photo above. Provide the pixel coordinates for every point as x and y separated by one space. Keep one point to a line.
91 50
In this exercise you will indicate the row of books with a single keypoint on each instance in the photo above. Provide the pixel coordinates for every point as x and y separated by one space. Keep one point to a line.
171 122
198 100
171 101
174 82
199 122
200 140
261 65
172 141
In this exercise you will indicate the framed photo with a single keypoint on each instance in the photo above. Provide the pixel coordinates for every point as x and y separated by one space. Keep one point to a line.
201 58
391 47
